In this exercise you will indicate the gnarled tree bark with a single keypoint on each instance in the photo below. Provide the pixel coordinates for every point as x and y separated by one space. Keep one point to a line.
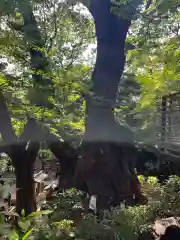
22 156
111 32
23 161
102 132
66 156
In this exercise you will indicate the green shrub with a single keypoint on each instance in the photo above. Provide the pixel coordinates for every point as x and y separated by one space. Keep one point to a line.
63 203
120 224
170 197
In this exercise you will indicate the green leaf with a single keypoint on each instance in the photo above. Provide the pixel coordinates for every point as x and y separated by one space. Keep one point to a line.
10 214
24 225
14 236
4 41
38 214
23 213
18 14
27 234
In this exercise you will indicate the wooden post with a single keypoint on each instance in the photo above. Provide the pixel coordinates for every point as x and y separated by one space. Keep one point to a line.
163 121
169 117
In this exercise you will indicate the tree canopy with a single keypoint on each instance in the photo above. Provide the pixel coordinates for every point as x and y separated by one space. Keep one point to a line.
64 35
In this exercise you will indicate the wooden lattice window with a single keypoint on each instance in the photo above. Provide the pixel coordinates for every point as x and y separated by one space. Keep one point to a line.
170 131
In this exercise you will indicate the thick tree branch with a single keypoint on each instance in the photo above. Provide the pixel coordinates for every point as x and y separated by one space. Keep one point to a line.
66 155
54 34
39 62
32 132
59 149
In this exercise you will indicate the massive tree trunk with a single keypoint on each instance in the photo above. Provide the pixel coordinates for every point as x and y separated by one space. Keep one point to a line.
111 32
22 156
23 160
67 158
102 132
25 194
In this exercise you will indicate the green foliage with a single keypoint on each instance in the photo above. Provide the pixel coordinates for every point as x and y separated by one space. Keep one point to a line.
63 204
155 60
4 162
27 226
119 223
65 35
152 63
45 154
170 200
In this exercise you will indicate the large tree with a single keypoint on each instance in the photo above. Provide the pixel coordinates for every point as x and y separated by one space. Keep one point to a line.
102 131
112 22
44 83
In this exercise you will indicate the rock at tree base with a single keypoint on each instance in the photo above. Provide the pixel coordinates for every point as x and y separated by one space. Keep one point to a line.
163 229
161 224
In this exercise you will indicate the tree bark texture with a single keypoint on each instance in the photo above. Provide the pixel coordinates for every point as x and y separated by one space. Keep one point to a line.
109 176
111 32
67 157
25 195
22 156
23 162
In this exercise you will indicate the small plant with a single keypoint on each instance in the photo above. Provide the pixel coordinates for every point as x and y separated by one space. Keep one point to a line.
153 181
27 226
170 197
142 179
119 224
132 221
63 204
